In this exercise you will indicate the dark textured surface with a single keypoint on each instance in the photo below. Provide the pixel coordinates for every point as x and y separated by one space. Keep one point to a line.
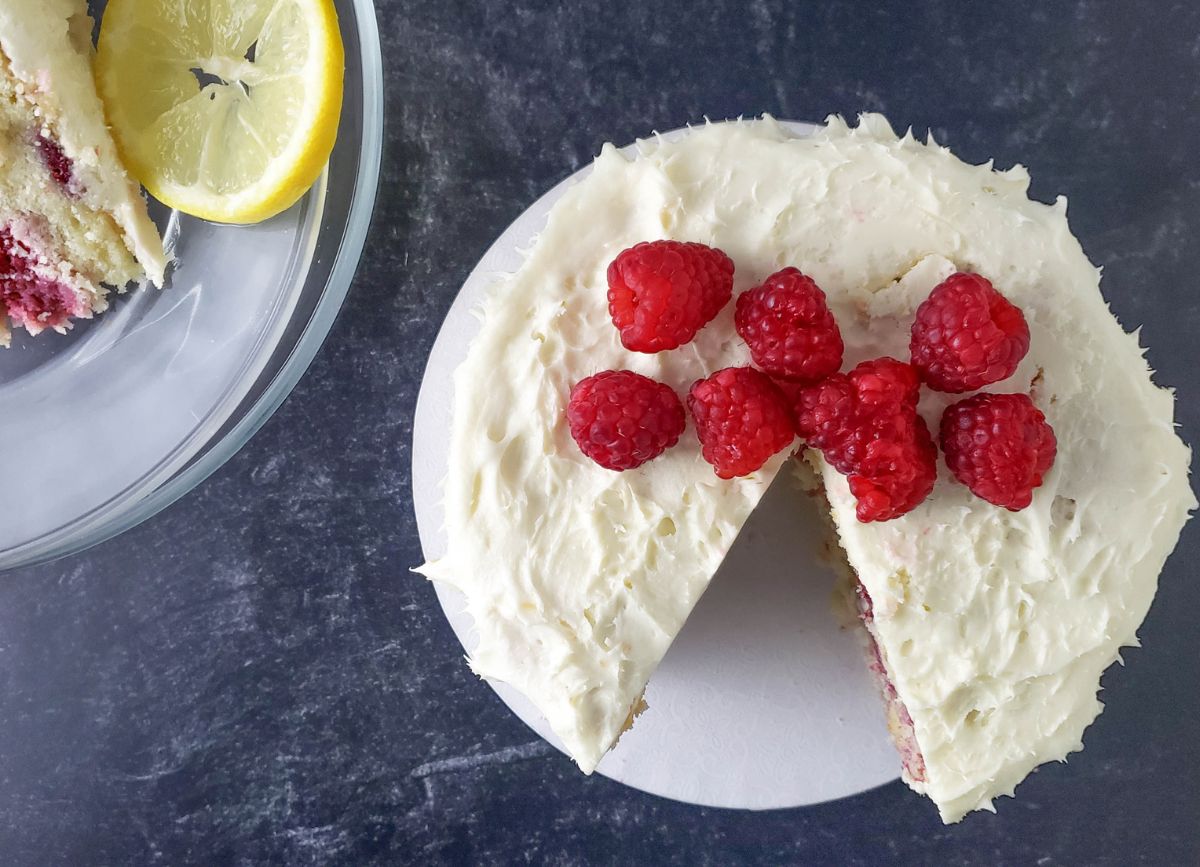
253 675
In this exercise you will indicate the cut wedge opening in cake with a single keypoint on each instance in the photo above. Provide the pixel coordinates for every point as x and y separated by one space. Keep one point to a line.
989 625
730 694
73 225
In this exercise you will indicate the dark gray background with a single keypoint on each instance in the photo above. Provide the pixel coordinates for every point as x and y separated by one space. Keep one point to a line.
254 675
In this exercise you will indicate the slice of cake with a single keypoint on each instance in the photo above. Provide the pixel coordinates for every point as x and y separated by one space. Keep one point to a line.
72 223
990 627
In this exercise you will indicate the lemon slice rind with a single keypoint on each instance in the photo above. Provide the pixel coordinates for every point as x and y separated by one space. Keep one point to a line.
251 141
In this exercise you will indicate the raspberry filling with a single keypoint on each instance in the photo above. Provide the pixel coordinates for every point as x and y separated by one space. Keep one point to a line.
900 723
59 164
31 299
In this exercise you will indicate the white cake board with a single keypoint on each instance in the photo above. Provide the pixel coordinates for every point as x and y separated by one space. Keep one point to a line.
764 700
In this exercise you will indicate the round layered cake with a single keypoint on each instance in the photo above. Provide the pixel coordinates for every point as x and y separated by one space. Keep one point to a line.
989 626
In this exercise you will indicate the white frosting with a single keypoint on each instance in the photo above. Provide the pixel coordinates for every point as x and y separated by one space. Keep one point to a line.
995 626
48 47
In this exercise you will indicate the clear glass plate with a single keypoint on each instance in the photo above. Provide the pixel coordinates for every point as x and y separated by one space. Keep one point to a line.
117 419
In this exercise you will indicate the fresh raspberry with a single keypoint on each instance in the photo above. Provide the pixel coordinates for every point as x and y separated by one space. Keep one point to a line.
998 445
866 425
885 383
844 413
622 419
789 388
660 293
967 335
789 328
896 476
741 419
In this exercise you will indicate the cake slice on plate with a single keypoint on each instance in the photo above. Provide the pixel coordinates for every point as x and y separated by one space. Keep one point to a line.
72 222
991 627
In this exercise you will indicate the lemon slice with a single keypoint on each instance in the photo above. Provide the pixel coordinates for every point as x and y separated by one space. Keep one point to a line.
224 109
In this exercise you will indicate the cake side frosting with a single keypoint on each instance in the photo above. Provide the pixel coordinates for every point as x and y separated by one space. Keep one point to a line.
993 626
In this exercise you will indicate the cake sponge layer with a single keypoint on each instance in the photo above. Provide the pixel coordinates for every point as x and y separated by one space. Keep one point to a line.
73 220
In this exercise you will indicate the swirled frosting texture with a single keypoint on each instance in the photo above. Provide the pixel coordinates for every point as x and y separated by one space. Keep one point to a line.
994 626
